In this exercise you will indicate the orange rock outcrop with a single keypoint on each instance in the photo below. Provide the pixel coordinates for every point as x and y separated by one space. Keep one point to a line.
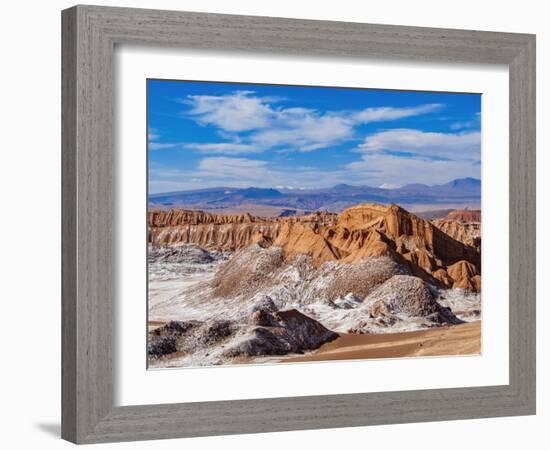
463 225
359 232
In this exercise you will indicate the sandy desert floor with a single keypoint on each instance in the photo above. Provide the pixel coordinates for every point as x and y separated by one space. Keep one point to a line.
464 339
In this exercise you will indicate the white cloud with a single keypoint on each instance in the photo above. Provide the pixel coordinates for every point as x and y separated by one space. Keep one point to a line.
227 148
160 146
232 168
305 132
152 134
402 156
230 163
293 128
374 169
467 124
428 144
236 112
386 170
152 137
383 114
218 171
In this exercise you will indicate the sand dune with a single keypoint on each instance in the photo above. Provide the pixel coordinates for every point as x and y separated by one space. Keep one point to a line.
464 339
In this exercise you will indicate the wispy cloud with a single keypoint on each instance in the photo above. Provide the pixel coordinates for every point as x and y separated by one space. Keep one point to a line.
401 156
241 172
373 169
226 148
263 126
239 111
304 132
467 124
152 137
243 138
427 144
232 167
384 114
152 134
160 146
382 169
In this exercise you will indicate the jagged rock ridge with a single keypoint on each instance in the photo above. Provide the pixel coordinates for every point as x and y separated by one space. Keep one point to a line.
463 225
356 234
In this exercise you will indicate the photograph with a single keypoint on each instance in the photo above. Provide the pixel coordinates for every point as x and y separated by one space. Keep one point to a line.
296 224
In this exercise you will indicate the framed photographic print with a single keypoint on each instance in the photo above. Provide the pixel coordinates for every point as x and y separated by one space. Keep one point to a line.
265 244
267 222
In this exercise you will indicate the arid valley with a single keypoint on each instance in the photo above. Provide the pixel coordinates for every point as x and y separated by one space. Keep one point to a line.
290 223
370 281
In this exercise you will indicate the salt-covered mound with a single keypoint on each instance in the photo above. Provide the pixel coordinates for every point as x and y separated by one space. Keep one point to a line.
187 253
263 270
405 299
279 333
403 294
266 332
333 281
247 271
189 336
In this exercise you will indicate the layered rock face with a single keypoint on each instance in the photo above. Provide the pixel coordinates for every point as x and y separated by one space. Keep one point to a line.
222 232
358 233
386 229
465 215
463 226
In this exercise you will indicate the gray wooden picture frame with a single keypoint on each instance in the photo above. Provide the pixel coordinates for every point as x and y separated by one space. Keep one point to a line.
90 34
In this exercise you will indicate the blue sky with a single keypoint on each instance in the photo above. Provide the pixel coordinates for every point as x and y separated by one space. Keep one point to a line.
204 134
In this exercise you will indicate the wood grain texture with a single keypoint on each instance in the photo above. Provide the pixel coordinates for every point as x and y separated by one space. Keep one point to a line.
89 36
68 226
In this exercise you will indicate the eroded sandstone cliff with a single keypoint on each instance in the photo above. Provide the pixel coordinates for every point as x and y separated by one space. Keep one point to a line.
358 233
462 225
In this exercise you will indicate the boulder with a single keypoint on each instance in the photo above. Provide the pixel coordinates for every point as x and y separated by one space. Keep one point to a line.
280 333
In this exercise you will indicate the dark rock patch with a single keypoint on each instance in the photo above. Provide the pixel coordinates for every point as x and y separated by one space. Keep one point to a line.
160 346
215 331
265 332
279 333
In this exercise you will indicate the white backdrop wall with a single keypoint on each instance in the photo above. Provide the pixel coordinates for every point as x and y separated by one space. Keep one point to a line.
31 208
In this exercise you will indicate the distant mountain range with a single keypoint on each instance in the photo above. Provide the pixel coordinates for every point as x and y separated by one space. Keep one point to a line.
466 191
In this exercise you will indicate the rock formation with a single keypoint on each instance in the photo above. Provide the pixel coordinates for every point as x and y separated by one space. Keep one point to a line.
222 232
244 288
403 298
465 215
463 225
358 233
267 331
